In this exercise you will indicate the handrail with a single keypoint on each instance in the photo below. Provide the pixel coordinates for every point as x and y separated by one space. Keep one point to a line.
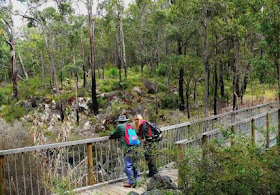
55 145
212 132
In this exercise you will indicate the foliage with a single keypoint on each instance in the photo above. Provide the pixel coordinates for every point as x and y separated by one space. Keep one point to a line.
12 112
263 70
240 169
169 101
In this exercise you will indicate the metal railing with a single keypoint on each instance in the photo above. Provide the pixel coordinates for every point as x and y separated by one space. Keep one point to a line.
89 162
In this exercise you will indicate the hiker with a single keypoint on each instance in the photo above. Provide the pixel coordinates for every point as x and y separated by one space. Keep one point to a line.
144 132
129 152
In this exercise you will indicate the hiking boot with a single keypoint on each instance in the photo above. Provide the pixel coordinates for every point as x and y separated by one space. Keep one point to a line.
128 185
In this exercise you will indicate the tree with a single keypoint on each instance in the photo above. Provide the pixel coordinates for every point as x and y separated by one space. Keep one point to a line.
91 41
7 20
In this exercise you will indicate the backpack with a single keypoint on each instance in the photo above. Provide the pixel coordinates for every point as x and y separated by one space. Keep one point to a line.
155 132
130 136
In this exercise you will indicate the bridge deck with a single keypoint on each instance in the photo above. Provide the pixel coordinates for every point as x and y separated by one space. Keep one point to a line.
118 189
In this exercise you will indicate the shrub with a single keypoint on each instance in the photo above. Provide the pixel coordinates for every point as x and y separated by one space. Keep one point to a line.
113 72
169 101
240 169
12 112
162 69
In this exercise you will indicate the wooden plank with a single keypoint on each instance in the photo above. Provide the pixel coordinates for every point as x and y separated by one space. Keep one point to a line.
108 189
119 187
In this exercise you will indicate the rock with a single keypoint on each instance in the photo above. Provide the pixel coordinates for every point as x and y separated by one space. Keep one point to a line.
87 125
26 105
160 192
47 100
151 87
53 105
137 90
104 95
132 193
161 182
83 103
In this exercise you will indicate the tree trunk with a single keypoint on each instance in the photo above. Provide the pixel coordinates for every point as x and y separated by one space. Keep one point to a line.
222 80
91 41
215 87
215 78
23 67
77 100
187 99
119 62
123 48
235 75
181 79
60 68
142 66
15 68
181 94
194 91
206 59
84 60
42 64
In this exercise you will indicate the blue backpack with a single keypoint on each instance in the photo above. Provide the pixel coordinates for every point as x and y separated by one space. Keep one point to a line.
130 136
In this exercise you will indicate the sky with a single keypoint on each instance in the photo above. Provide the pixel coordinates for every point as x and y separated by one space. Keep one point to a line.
79 7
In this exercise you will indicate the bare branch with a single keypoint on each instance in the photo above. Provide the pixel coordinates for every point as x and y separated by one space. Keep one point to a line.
9 43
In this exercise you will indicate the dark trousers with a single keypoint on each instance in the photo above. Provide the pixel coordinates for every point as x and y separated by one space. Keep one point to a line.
149 156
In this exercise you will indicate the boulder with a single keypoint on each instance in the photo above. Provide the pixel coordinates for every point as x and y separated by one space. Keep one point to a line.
26 105
137 90
151 87
161 182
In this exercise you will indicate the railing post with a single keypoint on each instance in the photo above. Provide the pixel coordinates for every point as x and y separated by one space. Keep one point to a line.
204 141
180 157
233 131
253 131
90 164
2 175
267 131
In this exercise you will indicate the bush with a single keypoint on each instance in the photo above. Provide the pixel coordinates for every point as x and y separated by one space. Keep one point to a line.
113 72
32 87
3 98
162 69
12 112
5 93
169 101
241 169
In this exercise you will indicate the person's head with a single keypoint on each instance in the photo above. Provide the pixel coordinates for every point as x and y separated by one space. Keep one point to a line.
122 119
136 121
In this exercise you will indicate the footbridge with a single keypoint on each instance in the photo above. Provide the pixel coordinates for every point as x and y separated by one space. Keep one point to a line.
95 165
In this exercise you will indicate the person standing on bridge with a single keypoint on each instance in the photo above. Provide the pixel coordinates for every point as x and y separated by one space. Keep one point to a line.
144 133
129 152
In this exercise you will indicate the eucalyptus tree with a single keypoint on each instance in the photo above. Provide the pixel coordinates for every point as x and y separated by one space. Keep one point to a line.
7 10
92 59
